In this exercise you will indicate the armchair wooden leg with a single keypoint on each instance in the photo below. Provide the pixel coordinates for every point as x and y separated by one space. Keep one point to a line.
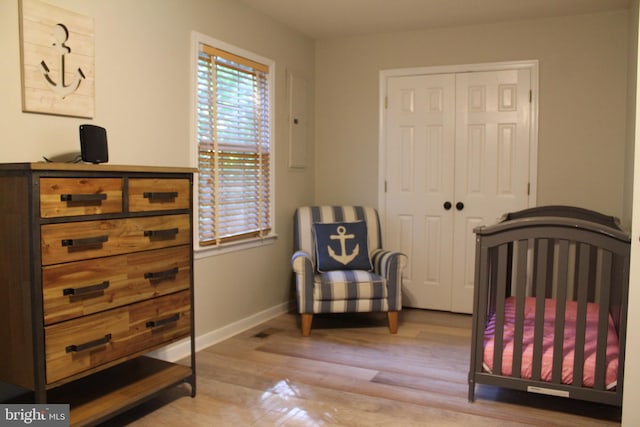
306 319
393 321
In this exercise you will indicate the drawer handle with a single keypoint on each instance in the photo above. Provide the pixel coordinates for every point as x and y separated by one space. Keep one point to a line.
161 234
83 197
162 274
81 347
171 319
86 289
160 195
89 241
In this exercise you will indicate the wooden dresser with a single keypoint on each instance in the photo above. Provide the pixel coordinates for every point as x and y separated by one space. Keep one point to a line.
96 270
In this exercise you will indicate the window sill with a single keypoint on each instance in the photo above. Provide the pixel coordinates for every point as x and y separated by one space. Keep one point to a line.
208 251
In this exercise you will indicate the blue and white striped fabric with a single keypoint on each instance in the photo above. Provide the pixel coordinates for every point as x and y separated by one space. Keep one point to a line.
305 217
345 290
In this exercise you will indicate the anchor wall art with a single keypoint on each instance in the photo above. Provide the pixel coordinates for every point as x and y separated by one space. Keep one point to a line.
57 60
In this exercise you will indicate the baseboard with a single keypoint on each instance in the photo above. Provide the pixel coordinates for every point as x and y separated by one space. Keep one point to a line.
181 349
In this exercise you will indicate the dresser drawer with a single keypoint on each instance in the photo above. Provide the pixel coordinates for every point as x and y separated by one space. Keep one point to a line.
79 288
79 196
147 194
75 241
88 342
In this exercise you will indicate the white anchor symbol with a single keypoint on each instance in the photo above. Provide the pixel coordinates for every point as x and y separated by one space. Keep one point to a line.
61 34
344 258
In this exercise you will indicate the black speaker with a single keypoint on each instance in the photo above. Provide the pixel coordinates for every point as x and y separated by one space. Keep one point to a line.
93 144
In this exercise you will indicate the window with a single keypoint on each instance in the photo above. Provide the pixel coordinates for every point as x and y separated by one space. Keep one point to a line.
234 147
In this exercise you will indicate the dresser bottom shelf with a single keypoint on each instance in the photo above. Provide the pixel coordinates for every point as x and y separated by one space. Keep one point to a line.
100 396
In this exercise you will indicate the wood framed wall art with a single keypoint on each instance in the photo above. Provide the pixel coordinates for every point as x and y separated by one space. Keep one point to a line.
57 54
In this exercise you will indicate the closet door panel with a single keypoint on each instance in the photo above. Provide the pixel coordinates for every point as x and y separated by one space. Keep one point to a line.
491 162
419 158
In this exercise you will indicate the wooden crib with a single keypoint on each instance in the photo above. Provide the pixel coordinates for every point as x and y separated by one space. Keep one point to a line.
550 304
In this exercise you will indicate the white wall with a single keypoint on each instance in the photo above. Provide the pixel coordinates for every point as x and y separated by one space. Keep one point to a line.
142 93
583 68
631 400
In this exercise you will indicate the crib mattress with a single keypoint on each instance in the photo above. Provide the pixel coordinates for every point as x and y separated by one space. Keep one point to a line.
612 352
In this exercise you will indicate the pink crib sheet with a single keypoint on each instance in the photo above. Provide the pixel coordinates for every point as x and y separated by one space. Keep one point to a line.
547 357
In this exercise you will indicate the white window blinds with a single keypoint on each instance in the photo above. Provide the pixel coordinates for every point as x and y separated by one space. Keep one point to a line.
234 147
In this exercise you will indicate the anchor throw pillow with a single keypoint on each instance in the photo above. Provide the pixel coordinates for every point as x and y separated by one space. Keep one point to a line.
342 246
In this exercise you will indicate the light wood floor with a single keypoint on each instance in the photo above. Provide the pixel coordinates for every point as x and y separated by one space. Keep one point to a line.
352 372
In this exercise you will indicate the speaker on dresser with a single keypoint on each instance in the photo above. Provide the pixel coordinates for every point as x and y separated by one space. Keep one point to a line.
93 144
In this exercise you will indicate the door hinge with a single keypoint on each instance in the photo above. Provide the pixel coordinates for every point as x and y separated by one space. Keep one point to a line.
385 186
386 102
528 188
530 96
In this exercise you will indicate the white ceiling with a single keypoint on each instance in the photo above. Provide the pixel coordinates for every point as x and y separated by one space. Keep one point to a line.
323 19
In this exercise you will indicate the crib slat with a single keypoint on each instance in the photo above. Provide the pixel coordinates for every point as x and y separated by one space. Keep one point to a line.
480 290
561 303
583 255
482 286
603 320
499 320
520 293
541 261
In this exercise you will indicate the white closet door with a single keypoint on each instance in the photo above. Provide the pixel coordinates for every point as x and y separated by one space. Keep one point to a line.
491 163
457 156
419 168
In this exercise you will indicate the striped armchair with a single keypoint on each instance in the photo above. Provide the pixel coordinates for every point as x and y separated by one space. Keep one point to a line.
322 289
